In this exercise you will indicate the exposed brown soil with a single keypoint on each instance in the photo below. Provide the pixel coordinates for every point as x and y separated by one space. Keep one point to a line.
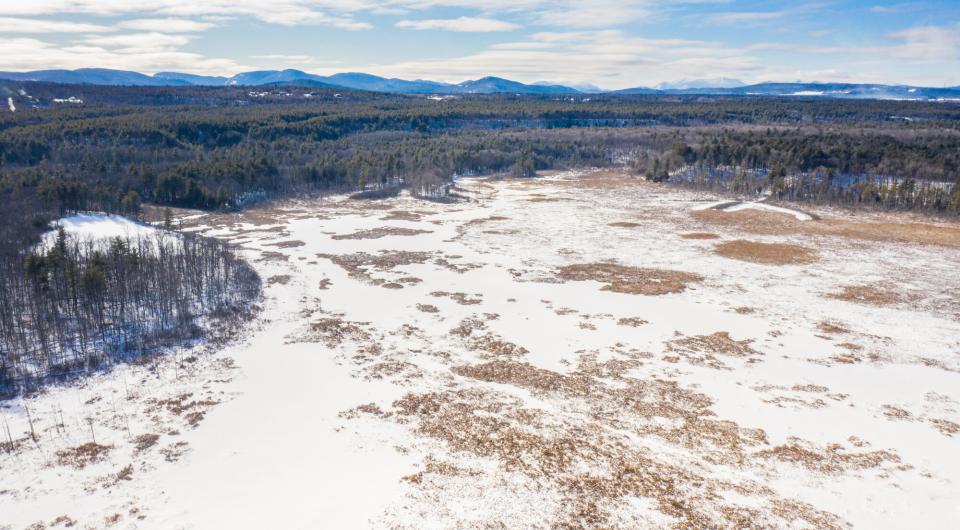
383 231
766 253
630 280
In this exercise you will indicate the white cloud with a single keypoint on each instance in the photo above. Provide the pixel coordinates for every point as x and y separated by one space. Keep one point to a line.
33 25
462 24
929 44
166 25
21 54
139 41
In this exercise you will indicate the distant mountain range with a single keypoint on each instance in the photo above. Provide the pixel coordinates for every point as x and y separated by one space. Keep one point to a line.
485 85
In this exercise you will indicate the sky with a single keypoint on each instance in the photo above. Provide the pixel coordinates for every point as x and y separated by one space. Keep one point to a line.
612 44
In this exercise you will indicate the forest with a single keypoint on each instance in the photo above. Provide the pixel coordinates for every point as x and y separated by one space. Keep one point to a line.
74 148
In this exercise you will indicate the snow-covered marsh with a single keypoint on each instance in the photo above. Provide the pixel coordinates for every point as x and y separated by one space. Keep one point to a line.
433 365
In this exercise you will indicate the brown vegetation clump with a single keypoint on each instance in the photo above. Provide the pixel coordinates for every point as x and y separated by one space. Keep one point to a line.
281 279
774 223
630 280
383 231
287 244
867 294
831 459
360 264
83 455
460 298
700 235
701 349
766 253
624 224
632 321
333 331
145 441
946 427
428 308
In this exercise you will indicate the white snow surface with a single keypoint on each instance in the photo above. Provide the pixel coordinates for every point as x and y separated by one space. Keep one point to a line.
98 226
278 442
10 105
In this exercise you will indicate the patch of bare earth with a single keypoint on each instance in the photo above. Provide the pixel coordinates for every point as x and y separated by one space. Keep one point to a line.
383 231
766 253
630 280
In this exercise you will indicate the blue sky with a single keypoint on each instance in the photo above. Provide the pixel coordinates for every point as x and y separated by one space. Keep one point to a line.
609 43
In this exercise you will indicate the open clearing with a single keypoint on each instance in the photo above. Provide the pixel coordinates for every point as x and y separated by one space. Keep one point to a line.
578 350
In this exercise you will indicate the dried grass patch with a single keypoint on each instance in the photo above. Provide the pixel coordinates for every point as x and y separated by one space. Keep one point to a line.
832 459
145 441
632 322
383 231
360 264
83 455
428 308
868 294
630 280
460 298
624 224
766 253
333 331
700 349
775 223
946 427
700 235
286 244
281 279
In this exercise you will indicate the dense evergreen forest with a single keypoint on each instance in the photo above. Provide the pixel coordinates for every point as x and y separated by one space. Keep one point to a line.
68 148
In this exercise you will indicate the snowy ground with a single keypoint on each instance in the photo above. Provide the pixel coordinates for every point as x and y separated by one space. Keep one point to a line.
580 350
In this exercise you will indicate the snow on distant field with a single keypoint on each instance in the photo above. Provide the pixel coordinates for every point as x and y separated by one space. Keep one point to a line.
583 350
10 105
98 226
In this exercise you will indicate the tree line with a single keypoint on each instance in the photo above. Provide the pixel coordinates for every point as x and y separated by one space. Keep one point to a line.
71 306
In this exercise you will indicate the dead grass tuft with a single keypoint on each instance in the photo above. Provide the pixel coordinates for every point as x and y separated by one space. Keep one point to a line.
624 224
630 280
877 229
83 455
700 235
383 231
867 294
766 253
